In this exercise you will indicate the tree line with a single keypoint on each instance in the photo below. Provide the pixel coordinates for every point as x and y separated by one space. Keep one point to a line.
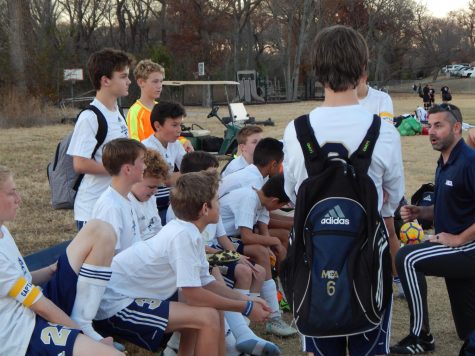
40 38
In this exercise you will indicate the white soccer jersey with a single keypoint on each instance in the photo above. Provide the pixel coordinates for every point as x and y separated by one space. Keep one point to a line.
379 103
172 154
18 321
117 210
348 125
211 232
82 144
246 177
241 208
235 165
147 216
157 267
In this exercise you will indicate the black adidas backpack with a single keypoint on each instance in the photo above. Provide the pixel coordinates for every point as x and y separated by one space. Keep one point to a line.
337 274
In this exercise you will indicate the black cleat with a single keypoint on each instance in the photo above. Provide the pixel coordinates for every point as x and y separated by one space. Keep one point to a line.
413 345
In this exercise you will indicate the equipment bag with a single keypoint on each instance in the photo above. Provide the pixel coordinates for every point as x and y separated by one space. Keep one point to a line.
337 275
63 180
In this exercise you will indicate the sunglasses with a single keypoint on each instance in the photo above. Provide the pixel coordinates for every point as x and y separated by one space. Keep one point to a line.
451 109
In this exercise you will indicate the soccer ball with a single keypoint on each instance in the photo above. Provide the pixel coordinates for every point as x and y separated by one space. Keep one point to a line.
411 233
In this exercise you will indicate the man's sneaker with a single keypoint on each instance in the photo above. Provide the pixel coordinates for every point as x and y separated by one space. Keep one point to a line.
279 327
413 345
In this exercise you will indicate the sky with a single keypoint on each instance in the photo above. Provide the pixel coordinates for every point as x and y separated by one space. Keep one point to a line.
440 8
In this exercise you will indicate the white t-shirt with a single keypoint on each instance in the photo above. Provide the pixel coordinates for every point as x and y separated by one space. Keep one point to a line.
113 208
379 103
235 165
348 125
241 208
82 144
147 216
157 267
18 321
249 176
172 154
211 232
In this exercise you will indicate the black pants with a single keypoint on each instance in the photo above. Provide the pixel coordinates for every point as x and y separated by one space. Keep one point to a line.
457 265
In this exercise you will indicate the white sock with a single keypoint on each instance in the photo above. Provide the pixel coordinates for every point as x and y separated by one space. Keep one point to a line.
246 341
255 295
92 282
242 291
269 294
230 341
174 342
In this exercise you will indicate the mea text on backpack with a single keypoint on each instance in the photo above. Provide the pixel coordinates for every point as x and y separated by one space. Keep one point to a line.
64 182
337 275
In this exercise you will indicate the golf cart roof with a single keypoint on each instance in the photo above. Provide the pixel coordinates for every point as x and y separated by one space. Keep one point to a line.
198 82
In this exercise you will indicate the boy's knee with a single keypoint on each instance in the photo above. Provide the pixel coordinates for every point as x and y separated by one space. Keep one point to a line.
210 318
243 273
260 273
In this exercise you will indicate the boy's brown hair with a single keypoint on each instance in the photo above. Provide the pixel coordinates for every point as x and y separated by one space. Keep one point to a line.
247 131
146 67
191 191
341 57
105 62
120 151
156 165
198 161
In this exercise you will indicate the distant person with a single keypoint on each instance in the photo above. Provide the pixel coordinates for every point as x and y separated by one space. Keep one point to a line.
471 137
414 88
426 97
109 73
431 95
446 94
450 252
149 76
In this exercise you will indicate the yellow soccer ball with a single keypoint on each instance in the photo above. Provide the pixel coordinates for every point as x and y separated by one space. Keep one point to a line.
411 233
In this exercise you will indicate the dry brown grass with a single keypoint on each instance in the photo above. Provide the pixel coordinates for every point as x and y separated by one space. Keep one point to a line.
27 152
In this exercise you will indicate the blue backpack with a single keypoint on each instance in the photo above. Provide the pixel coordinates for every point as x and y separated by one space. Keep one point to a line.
337 274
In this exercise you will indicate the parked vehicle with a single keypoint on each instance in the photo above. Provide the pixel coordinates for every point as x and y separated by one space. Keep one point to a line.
469 72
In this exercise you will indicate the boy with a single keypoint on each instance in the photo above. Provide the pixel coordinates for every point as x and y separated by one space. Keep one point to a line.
124 160
247 139
140 301
243 208
267 162
149 76
166 120
47 321
242 275
142 194
109 73
340 124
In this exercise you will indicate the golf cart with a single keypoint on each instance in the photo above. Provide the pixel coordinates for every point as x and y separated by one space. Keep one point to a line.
201 138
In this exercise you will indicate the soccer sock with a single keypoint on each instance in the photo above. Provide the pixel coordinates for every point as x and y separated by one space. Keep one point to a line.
242 291
246 341
174 342
92 282
230 341
254 295
269 294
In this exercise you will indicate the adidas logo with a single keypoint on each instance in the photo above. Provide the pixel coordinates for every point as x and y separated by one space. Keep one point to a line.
427 198
335 216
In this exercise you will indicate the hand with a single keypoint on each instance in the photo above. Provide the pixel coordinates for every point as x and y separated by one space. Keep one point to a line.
259 312
262 302
447 239
244 260
107 341
410 212
188 146
53 267
279 251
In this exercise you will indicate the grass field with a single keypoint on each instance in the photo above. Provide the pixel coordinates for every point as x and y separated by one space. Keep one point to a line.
27 152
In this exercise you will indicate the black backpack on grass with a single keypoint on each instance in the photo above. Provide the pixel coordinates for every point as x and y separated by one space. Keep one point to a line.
424 196
64 182
337 274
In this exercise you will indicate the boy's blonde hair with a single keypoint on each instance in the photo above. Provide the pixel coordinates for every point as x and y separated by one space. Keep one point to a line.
156 165
5 173
191 191
145 67
247 131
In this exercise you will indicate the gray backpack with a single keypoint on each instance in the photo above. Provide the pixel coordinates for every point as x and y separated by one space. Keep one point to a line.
64 182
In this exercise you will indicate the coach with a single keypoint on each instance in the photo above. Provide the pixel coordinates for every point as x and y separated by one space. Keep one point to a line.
450 253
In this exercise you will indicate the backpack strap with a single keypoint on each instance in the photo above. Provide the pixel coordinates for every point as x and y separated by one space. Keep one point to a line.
362 156
101 134
312 152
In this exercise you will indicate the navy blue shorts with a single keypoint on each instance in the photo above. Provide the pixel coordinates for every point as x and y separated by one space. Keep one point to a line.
143 323
237 243
48 338
374 342
227 271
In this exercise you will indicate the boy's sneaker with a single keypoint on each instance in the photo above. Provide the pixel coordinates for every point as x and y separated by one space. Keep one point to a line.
413 345
279 327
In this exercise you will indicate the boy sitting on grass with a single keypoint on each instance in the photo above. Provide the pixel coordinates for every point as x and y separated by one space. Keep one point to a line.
149 76
124 160
241 211
49 321
166 120
140 304
142 194
247 139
